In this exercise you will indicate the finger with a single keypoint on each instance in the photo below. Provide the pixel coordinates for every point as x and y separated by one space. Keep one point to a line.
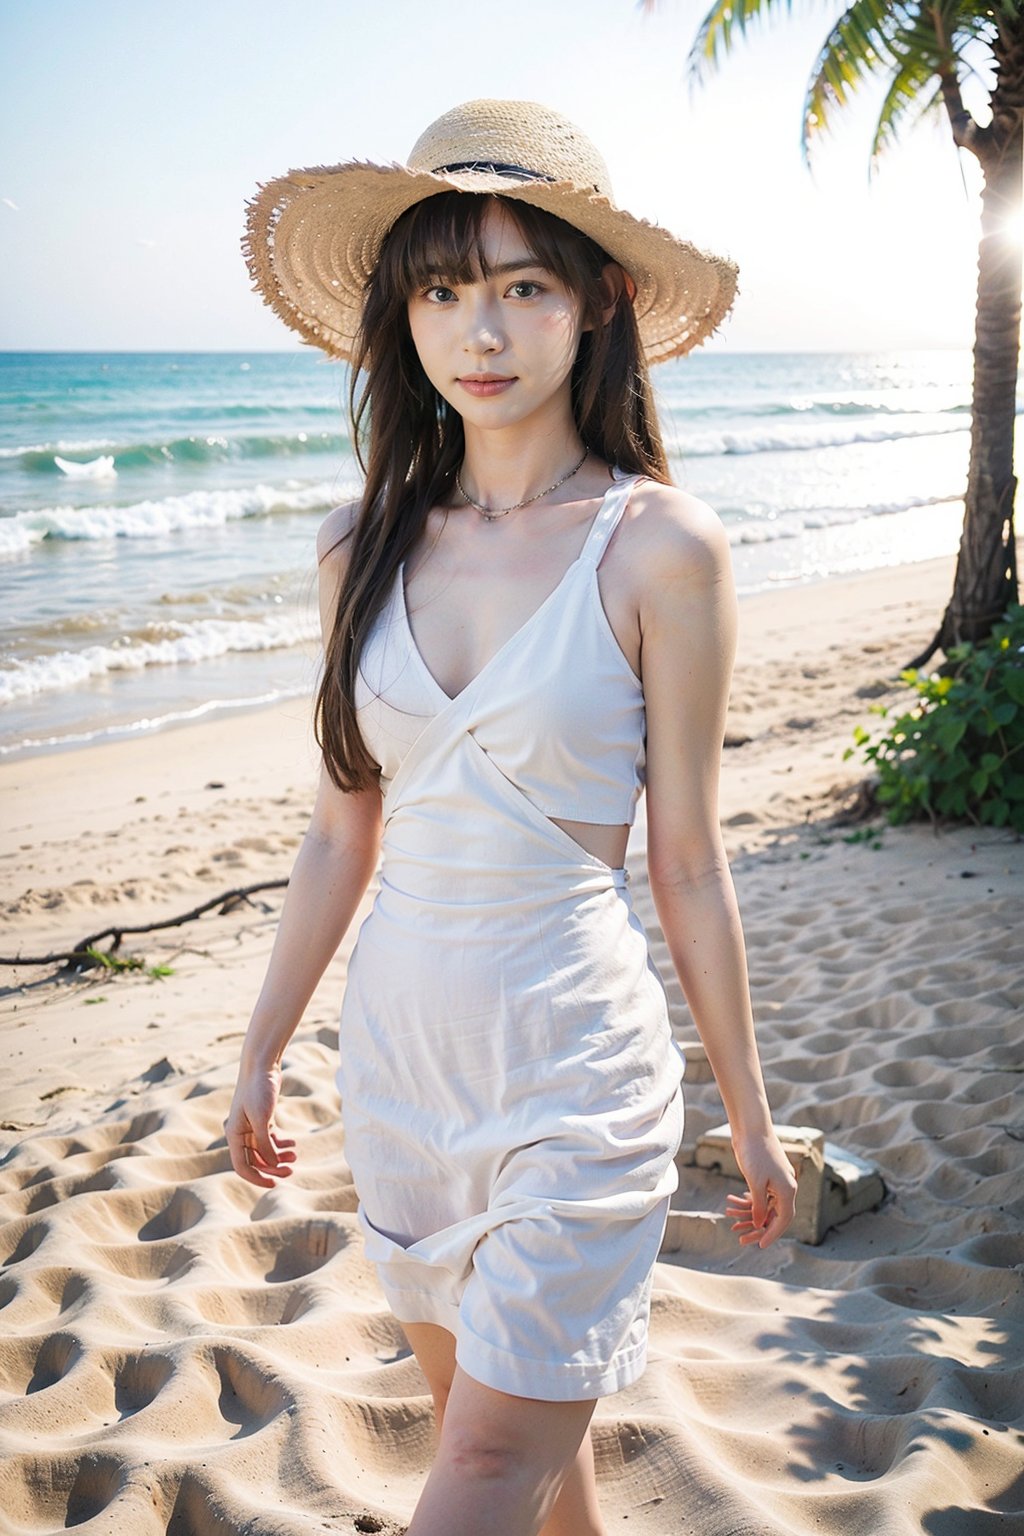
265 1144
272 1165
783 1213
242 1160
746 1227
759 1204
742 1220
278 1155
253 1176
284 1147
740 1207
753 1238
255 1170
774 1232
249 1162
775 1223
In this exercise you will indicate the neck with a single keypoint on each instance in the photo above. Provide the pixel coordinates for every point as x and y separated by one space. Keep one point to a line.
506 466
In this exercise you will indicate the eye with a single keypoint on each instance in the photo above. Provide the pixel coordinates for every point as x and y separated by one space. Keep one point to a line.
439 294
516 289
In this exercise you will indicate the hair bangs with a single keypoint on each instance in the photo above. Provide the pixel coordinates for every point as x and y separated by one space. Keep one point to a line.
441 240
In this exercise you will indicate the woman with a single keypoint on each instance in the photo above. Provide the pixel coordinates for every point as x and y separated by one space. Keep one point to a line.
523 621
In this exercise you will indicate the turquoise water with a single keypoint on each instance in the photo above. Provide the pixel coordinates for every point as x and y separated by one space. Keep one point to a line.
158 512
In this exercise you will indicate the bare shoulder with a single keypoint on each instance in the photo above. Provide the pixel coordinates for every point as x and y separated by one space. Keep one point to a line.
675 538
332 538
333 543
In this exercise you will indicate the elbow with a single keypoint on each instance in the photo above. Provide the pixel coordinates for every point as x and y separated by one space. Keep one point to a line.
678 870
348 824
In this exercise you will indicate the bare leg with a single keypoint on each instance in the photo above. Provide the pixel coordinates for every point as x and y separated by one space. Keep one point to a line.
434 1349
575 1511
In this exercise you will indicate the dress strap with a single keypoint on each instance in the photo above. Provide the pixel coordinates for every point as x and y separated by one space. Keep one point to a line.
607 520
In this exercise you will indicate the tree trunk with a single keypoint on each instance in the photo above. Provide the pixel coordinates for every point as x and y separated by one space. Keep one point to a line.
986 575
985 583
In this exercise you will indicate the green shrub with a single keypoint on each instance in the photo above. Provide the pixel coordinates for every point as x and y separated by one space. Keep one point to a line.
958 751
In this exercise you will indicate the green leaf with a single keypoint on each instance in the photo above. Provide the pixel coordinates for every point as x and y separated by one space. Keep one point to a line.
112 962
950 731
955 746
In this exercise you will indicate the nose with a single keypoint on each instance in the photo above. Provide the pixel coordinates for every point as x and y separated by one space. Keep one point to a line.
482 333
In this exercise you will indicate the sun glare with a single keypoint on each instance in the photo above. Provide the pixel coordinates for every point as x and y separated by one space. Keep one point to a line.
1011 229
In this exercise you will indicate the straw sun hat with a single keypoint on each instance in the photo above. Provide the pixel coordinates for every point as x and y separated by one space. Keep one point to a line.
313 236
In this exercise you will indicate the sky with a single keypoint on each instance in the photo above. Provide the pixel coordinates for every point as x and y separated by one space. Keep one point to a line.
131 134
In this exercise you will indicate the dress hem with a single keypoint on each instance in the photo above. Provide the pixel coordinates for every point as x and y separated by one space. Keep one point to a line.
518 1375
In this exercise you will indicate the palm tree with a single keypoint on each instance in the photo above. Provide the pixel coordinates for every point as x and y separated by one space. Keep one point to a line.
921 47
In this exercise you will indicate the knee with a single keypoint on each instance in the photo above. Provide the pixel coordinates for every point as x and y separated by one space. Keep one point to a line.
484 1459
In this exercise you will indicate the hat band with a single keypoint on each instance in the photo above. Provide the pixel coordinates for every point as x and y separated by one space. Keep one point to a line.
492 168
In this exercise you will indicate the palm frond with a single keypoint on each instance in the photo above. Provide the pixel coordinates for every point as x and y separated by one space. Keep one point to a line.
865 27
940 28
902 109
860 46
715 35
915 42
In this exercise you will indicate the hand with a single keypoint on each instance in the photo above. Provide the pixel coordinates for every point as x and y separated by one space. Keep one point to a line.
259 1154
766 1208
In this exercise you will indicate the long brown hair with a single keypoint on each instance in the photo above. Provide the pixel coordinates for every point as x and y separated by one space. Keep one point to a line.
409 441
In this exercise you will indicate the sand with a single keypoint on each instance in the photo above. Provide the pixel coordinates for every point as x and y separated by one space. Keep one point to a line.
181 1352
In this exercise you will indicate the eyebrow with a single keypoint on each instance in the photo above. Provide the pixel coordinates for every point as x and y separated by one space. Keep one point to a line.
506 268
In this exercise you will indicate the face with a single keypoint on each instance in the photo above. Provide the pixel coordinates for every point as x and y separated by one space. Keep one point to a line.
499 349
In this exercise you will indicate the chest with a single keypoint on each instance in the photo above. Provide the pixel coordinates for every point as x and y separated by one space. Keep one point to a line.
463 611
557 708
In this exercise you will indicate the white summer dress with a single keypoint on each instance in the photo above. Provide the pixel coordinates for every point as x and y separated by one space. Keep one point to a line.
511 1092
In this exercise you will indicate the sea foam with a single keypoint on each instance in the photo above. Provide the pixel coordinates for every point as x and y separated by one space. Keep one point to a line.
205 638
157 518
797 437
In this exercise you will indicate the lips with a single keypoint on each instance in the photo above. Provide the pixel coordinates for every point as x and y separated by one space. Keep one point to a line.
483 384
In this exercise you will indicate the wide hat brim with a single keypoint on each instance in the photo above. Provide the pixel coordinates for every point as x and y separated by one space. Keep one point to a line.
313 238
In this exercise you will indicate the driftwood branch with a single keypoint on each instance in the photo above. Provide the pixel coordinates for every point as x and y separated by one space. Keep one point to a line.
80 955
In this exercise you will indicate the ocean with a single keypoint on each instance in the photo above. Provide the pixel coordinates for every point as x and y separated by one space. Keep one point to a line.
158 511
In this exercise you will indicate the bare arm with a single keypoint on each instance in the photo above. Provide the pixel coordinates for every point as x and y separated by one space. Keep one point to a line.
332 870
688 623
